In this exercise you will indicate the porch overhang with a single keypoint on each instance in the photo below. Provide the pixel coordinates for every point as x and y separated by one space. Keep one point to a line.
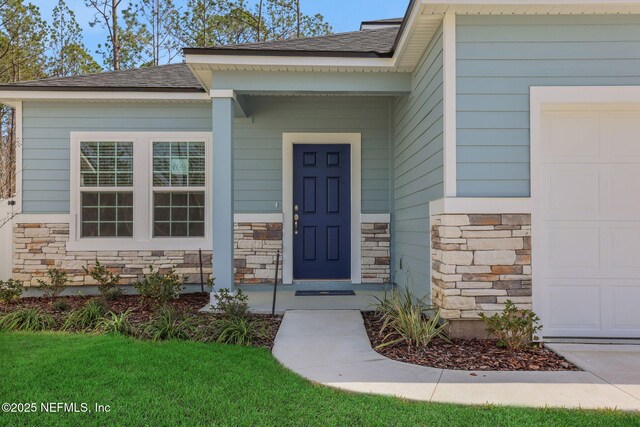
310 83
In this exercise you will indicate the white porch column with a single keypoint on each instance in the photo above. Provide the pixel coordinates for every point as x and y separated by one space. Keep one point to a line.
223 113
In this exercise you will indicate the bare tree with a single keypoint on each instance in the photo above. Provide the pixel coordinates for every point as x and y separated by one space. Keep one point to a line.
7 153
106 14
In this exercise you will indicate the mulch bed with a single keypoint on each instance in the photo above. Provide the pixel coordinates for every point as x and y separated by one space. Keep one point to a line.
470 355
188 305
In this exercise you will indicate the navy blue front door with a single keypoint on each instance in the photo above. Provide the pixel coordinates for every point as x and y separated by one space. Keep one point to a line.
322 211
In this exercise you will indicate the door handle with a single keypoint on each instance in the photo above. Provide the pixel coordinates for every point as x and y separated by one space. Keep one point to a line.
296 217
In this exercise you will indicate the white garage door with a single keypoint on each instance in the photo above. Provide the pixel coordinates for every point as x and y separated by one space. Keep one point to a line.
586 222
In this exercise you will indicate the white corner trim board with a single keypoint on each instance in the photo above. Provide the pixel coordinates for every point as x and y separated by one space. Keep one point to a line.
450 109
480 205
288 140
19 164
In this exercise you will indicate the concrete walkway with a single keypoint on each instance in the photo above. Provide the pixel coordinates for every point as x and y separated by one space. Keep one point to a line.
331 347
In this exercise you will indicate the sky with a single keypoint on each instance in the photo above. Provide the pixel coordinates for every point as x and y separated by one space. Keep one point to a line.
343 15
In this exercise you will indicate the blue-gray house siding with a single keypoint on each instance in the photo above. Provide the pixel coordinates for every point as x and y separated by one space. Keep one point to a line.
418 169
499 58
46 130
258 143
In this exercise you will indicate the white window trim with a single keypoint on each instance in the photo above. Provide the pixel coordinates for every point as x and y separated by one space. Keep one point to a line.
288 140
142 194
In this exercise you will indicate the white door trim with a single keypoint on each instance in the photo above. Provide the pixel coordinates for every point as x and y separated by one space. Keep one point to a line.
549 98
288 140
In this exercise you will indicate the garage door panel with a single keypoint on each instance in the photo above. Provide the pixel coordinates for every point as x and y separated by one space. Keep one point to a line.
623 141
570 134
624 251
586 222
573 306
623 200
564 258
568 191
623 306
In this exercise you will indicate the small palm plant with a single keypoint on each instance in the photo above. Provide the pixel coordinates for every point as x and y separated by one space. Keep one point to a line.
114 323
86 317
168 324
26 319
405 320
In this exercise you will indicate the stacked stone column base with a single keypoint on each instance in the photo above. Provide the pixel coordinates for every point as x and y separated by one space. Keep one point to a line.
40 246
478 263
376 252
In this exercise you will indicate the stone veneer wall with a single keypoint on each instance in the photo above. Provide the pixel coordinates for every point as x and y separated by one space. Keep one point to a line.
255 246
376 253
479 262
37 247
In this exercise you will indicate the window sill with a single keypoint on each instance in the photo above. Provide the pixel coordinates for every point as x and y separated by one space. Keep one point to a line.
125 244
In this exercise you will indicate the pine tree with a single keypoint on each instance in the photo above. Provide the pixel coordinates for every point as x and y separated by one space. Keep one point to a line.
21 58
157 18
68 55
125 35
217 22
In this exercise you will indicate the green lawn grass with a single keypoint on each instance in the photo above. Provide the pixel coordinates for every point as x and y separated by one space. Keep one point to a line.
188 383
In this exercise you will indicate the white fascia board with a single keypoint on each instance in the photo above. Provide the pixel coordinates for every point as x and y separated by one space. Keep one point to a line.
99 95
303 61
408 29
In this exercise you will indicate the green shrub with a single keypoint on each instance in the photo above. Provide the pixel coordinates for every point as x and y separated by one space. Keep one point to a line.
114 323
26 319
107 281
231 305
60 305
58 281
10 290
158 289
404 320
515 328
238 330
86 317
168 324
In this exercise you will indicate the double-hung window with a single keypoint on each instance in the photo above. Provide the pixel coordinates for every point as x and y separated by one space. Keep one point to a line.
139 190
106 189
178 189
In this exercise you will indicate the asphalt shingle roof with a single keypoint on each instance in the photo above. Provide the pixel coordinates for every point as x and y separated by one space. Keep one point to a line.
163 78
179 78
378 42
